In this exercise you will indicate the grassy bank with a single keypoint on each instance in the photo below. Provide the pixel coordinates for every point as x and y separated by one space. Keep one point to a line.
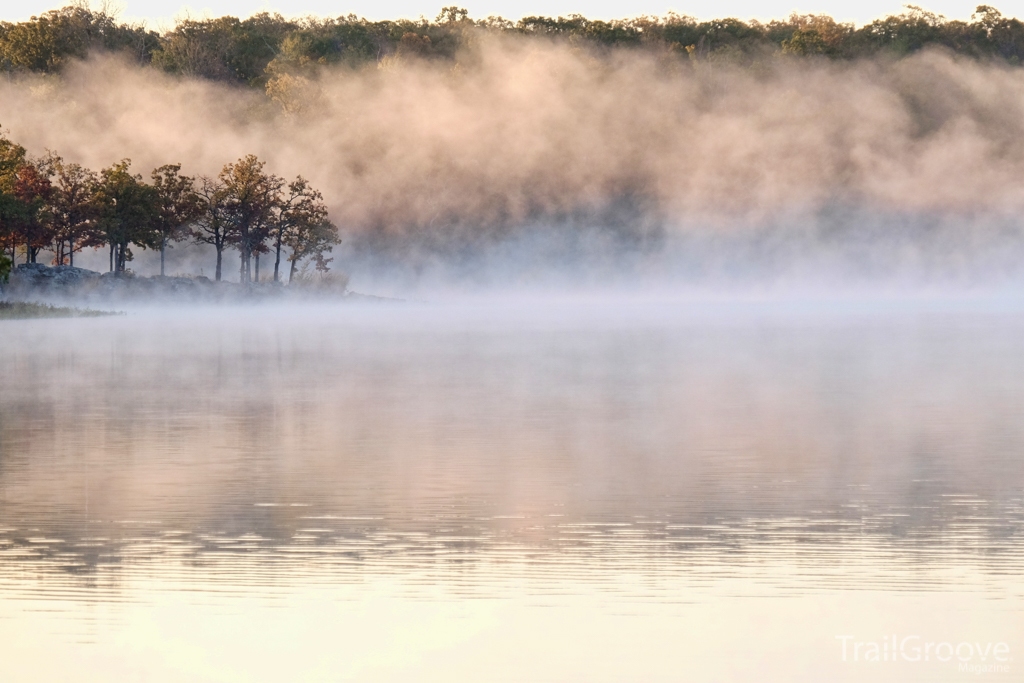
19 310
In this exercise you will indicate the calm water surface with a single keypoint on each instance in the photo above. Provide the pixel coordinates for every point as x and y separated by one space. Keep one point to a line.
629 491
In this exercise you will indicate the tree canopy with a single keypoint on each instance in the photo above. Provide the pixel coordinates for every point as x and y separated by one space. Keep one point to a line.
52 205
48 42
255 51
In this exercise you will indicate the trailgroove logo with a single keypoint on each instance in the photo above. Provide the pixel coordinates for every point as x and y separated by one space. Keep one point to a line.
971 657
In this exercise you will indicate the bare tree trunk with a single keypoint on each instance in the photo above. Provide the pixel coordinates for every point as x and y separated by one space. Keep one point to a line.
71 252
291 271
220 250
245 269
163 248
277 258
111 257
257 275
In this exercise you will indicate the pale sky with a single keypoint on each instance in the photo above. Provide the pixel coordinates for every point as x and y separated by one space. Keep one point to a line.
161 13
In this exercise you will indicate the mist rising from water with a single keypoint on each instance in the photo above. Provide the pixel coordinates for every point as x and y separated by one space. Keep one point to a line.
534 161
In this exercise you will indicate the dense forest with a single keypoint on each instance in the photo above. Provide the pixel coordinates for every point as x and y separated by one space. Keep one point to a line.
49 204
261 50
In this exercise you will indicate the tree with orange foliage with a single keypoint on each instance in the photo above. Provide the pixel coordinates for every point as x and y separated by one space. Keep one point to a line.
72 211
32 190
251 197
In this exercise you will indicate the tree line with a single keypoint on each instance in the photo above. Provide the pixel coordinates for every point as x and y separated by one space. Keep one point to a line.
49 204
253 51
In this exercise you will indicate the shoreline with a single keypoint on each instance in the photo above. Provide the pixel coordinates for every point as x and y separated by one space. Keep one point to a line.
79 289
28 310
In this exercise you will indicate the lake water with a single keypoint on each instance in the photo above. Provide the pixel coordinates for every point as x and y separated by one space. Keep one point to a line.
733 489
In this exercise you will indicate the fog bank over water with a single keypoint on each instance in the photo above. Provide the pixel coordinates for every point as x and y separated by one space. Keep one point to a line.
560 492
541 162
377 420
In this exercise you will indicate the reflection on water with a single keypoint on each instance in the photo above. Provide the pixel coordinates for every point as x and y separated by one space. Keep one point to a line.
525 493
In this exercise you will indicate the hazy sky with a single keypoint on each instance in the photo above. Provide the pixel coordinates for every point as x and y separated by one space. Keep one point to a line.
158 13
